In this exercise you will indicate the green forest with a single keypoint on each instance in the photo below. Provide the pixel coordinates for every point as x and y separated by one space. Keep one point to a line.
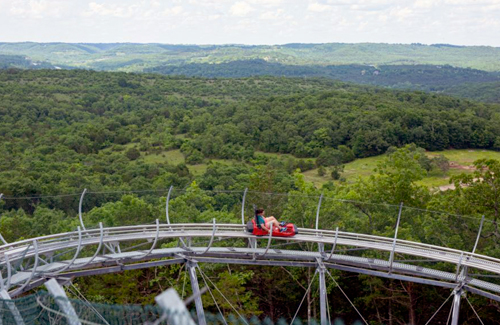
65 130
135 57
467 83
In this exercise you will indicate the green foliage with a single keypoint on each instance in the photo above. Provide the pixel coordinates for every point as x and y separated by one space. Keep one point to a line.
138 56
133 153
62 131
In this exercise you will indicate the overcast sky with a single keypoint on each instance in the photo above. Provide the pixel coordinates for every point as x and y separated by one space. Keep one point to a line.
464 22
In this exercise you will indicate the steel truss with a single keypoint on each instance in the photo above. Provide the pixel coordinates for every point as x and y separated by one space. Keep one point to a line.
38 254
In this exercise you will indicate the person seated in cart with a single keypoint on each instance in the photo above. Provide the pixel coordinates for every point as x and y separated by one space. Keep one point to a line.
267 223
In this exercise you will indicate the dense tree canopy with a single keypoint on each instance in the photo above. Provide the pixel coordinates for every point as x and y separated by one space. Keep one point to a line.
62 131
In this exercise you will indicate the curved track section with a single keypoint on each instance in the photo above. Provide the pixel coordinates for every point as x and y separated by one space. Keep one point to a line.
29 263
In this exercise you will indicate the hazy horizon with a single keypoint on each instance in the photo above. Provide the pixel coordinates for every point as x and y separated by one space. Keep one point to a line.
252 22
243 44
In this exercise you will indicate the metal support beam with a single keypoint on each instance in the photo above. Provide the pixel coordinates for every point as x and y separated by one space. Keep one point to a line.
391 259
317 211
243 206
478 235
191 266
465 270
456 305
174 308
334 242
62 301
1 237
12 307
167 203
322 293
80 209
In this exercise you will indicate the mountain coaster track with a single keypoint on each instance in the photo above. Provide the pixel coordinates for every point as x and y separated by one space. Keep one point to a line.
39 250
29 263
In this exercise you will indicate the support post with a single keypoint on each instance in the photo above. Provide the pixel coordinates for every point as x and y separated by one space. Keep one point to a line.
174 308
322 294
243 206
1 237
62 301
465 270
478 235
391 259
456 305
167 204
191 266
12 307
317 211
80 209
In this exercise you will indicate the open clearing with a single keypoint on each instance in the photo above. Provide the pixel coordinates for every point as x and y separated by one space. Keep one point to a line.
460 162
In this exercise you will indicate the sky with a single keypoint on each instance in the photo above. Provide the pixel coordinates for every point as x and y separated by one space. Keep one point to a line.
460 22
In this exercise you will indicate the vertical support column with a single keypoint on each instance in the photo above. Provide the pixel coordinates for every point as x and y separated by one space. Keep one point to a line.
167 204
12 307
174 308
456 305
1 237
317 211
243 206
322 294
465 269
478 235
80 209
62 301
391 259
191 266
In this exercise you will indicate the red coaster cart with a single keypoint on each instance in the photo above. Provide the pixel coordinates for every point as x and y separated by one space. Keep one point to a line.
291 230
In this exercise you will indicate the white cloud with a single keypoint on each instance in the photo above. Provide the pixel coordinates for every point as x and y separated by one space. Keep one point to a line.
266 2
318 7
271 15
401 13
36 8
174 11
424 3
99 9
241 9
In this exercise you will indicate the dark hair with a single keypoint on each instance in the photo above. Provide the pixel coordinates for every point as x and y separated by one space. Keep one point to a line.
258 211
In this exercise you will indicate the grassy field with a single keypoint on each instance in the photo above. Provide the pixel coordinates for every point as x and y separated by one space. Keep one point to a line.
459 160
173 157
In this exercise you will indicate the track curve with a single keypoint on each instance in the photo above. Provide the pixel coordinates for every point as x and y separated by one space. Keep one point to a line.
28 263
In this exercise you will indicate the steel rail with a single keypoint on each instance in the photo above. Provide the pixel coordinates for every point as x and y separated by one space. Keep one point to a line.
211 239
154 242
78 248
80 208
48 244
167 204
33 271
380 243
269 241
99 247
341 262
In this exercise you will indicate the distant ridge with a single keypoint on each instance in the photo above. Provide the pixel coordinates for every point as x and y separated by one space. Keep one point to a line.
114 56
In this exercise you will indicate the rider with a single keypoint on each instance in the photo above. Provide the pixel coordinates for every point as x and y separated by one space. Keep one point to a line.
267 223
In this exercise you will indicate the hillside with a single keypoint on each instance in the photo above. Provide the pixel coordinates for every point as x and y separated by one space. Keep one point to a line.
88 117
136 57
128 137
461 82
